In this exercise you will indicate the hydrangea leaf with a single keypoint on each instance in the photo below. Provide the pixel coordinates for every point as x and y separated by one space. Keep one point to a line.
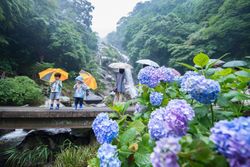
201 60
224 72
128 136
188 66
142 159
138 125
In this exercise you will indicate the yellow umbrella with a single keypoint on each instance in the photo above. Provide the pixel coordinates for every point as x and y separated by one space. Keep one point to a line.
48 74
88 79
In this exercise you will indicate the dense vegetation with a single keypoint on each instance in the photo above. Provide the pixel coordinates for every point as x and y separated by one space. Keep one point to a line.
20 90
168 31
35 33
198 119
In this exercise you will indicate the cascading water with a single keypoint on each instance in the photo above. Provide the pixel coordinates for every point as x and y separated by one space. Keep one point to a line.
131 86
18 133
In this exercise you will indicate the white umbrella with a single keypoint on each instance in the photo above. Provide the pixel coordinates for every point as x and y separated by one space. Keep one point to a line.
120 65
216 62
148 62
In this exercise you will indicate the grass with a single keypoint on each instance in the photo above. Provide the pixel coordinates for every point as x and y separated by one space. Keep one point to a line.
75 156
28 158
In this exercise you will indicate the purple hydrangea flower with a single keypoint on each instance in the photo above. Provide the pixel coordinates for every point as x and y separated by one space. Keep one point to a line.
166 74
156 98
171 120
165 153
176 73
181 106
176 121
148 76
232 139
104 128
204 90
107 154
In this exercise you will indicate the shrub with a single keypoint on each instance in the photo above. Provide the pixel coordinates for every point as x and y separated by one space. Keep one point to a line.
76 156
19 91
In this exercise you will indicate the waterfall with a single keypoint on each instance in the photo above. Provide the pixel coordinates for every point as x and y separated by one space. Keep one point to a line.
130 83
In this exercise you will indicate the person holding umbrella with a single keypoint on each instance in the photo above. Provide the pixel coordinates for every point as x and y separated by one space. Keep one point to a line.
55 91
119 86
120 78
80 91
54 76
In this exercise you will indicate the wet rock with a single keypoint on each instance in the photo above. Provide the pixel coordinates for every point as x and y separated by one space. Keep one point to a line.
93 98
65 101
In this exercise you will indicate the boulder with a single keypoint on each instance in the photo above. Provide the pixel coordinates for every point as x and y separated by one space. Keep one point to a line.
93 98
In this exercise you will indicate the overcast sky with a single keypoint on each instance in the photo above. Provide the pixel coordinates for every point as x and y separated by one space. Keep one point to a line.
108 12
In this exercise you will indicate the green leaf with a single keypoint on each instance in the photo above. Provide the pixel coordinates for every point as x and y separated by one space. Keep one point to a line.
224 72
188 66
142 159
243 74
201 111
138 125
201 60
128 136
124 152
94 162
223 101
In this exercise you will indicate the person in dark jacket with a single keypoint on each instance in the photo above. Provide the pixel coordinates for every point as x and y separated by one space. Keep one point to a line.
119 86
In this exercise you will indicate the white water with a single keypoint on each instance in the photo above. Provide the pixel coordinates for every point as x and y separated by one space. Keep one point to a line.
130 83
18 133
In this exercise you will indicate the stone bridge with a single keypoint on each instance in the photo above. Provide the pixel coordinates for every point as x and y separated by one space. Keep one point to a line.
37 118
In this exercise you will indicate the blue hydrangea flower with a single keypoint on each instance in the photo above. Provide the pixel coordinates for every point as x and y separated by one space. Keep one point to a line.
204 90
166 74
148 76
190 82
156 98
139 108
104 128
156 124
165 153
107 154
171 120
232 139
187 75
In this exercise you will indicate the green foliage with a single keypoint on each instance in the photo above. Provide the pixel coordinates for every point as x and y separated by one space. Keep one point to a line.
174 31
74 156
198 152
19 91
25 158
51 31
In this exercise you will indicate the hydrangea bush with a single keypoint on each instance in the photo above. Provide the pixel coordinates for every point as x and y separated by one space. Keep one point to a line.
179 120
